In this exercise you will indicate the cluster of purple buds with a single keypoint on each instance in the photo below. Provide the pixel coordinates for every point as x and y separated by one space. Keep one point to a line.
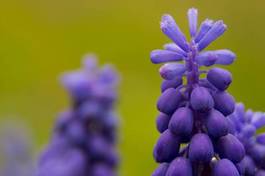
244 125
194 105
85 136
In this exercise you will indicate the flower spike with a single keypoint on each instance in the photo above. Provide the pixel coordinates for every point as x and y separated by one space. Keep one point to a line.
195 132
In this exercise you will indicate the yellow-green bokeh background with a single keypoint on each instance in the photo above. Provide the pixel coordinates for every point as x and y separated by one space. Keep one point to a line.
39 39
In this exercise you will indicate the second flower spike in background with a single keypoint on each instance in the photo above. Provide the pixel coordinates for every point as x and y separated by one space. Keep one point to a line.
195 138
84 138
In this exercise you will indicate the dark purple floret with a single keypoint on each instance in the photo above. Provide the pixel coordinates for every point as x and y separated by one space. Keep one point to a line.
195 100
225 167
167 147
84 138
161 170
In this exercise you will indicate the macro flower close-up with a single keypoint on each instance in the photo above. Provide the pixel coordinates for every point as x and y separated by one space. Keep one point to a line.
84 137
195 137
158 93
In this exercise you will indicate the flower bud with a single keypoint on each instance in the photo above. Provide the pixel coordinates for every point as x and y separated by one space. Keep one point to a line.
167 147
161 56
220 78
246 166
201 100
261 138
169 101
171 84
257 152
225 167
217 125
201 148
224 102
162 122
161 170
181 122
231 148
180 167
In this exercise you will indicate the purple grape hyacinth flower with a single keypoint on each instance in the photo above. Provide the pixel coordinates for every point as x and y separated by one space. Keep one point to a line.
193 123
244 125
85 136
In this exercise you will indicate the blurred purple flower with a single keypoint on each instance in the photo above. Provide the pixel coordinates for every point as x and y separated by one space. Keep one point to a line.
84 137
245 125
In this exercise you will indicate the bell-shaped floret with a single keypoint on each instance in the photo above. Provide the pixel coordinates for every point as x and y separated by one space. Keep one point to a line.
258 120
220 78
247 166
162 56
171 71
181 122
171 29
221 57
180 167
201 100
174 83
201 148
192 16
57 165
248 131
224 102
225 167
162 121
216 124
204 28
216 31
231 148
261 138
167 147
257 152
76 133
161 170
169 101
175 48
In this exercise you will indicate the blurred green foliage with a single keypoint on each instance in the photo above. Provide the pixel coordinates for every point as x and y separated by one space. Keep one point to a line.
40 39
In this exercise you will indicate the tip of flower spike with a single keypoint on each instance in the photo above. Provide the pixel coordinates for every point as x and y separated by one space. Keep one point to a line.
214 32
90 62
192 16
109 75
171 29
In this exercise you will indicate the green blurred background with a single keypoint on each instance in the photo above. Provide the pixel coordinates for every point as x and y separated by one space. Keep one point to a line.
40 39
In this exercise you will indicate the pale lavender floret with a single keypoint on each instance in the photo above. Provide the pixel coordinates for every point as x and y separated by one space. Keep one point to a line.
171 29
90 63
76 84
240 112
261 138
222 57
204 28
192 16
258 120
161 56
225 57
175 48
170 71
109 76
216 31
